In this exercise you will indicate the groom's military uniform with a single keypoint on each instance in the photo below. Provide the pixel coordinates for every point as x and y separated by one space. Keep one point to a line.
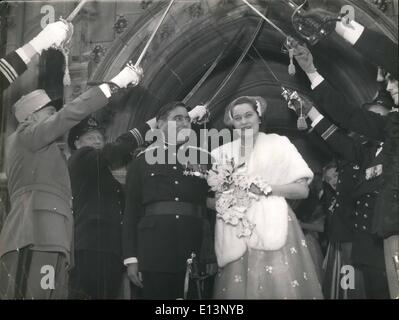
163 220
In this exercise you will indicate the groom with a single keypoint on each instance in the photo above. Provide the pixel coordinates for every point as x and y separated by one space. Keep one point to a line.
165 208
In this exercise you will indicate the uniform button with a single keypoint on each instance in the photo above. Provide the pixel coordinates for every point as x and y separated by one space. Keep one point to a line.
368 196
356 213
176 199
339 181
121 222
364 227
177 216
355 225
354 176
174 167
55 209
366 204
337 205
358 202
152 174
337 193
365 216
176 182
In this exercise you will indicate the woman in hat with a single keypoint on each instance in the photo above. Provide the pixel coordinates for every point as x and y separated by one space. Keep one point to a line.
260 247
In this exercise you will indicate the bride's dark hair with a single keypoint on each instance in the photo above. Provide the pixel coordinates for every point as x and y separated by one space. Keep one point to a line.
258 103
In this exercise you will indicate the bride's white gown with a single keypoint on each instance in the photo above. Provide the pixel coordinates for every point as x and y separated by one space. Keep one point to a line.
288 273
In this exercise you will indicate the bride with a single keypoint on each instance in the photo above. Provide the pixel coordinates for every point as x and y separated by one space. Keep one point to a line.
260 248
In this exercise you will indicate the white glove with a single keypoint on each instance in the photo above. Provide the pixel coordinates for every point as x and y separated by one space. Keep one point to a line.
198 113
53 34
351 31
129 74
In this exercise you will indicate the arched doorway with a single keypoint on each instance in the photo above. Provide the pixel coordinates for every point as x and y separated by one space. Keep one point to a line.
193 35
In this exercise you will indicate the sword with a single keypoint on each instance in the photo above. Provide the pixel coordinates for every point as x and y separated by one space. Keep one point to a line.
213 66
153 34
64 46
287 43
75 11
266 19
144 51
236 65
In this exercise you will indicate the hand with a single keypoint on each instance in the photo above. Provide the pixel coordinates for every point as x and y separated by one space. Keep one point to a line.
300 103
129 75
134 275
198 113
54 34
152 123
344 27
304 58
256 190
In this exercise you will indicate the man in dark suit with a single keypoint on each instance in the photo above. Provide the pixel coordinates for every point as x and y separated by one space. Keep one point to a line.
16 63
165 207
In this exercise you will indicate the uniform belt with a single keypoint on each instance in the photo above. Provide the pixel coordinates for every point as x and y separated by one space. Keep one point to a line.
175 208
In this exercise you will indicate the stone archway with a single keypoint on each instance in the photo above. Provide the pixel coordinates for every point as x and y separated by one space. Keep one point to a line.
195 33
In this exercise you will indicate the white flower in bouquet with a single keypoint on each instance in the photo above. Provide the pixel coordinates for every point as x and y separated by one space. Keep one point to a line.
216 181
242 199
225 202
220 176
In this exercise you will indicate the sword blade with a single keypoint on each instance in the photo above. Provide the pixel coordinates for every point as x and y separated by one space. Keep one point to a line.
75 11
264 18
153 34
236 65
213 66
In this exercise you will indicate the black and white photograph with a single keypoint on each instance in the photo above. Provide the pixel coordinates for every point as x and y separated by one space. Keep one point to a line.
207 150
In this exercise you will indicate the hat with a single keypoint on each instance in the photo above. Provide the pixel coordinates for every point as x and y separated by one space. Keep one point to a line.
86 125
382 98
32 102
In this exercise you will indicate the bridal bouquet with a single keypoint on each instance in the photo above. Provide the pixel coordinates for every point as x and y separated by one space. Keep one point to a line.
235 196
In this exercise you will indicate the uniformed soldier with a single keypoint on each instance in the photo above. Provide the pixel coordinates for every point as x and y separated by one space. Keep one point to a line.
16 62
98 205
165 207
367 251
